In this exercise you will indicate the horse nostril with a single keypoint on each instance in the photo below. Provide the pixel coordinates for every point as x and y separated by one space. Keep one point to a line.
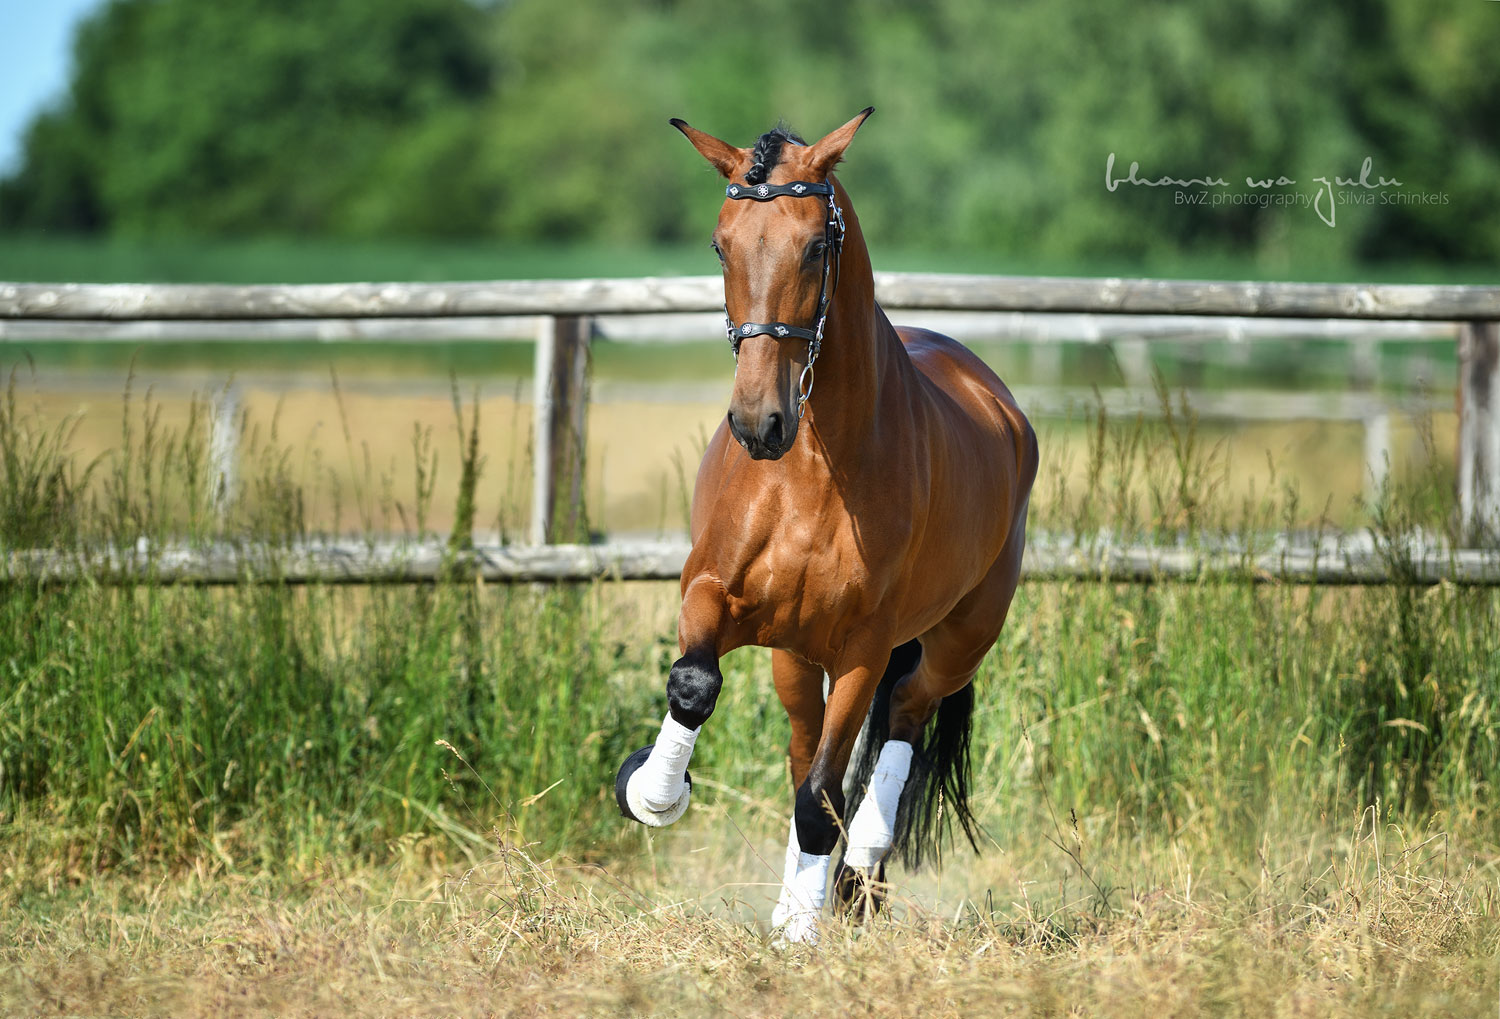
741 434
770 432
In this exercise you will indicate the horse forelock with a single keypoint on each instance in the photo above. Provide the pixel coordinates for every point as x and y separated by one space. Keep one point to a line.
767 152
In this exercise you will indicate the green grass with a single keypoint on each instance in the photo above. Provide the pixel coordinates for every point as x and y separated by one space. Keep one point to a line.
274 726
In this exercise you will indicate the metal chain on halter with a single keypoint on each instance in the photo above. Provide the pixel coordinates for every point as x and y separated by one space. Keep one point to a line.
833 240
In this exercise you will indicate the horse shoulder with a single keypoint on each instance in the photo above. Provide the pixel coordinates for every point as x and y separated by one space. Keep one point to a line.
709 481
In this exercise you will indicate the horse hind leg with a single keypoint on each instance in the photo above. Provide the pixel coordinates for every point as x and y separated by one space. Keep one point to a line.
933 707
873 786
923 750
860 883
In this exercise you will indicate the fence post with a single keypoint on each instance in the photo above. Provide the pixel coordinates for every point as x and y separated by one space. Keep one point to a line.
1377 454
223 448
1134 358
560 384
1479 426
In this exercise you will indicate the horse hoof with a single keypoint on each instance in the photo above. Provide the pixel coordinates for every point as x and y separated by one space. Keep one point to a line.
860 892
633 808
800 928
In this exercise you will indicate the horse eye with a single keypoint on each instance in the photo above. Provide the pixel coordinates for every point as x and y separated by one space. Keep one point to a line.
715 246
815 250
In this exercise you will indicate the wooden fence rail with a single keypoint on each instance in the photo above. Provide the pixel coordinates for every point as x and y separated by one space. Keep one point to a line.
418 563
562 357
697 326
937 291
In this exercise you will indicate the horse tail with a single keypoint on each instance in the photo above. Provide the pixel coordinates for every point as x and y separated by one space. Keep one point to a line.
937 788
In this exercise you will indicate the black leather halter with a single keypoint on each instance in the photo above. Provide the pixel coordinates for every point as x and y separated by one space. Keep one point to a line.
833 244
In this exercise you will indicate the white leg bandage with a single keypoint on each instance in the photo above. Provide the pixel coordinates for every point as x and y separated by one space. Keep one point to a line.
874 824
804 888
788 870
657 793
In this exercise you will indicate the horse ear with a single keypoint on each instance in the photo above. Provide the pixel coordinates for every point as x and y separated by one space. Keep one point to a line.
725 157
829 149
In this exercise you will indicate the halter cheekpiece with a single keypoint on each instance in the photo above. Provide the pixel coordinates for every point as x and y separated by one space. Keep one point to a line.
833 244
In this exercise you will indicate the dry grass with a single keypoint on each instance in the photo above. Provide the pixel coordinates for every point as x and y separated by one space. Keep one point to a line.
642 456
1367 923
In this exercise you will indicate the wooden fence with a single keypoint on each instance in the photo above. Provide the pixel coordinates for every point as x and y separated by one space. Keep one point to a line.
1330 562
564 307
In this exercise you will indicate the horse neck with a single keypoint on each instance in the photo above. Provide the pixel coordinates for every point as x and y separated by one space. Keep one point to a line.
861 354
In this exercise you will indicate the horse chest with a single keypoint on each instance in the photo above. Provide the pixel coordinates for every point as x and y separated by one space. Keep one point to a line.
798 575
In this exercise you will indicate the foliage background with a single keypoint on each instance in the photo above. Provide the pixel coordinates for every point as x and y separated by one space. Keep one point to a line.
526 121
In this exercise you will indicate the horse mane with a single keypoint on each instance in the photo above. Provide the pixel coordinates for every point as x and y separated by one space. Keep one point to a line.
767 152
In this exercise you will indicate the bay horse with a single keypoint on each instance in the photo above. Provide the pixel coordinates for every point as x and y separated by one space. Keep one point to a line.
872 532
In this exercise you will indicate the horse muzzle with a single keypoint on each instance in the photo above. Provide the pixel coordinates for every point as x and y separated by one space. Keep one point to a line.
766 437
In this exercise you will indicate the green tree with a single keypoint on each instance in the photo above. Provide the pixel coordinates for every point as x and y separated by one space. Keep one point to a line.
534 120
250 116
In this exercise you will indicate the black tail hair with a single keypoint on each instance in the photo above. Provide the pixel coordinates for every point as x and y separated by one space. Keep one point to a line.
937 789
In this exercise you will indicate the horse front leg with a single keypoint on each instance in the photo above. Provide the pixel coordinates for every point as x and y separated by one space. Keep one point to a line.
653 785
818 815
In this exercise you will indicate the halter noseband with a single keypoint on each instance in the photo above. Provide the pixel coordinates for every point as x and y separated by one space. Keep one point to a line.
833 245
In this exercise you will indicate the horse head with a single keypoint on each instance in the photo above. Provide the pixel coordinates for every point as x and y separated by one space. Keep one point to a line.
778 238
